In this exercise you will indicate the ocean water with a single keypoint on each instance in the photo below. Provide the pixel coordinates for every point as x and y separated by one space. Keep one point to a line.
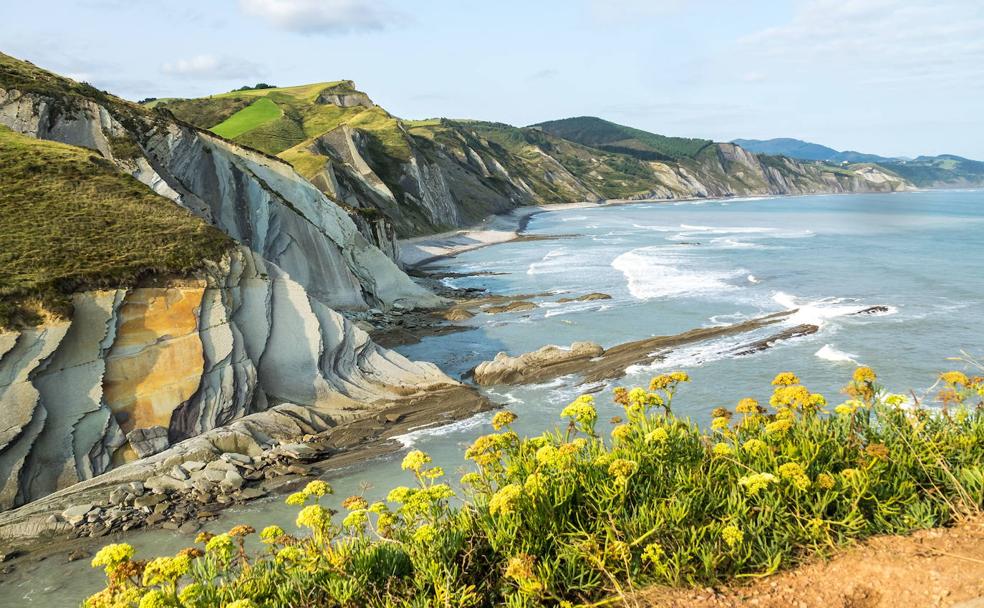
670 267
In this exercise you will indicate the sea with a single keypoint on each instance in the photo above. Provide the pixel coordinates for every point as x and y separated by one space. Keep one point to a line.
670 267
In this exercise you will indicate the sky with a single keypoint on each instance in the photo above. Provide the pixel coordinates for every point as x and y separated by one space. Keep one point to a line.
891 77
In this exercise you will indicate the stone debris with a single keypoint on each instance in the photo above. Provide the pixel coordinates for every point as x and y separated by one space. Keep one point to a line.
191 492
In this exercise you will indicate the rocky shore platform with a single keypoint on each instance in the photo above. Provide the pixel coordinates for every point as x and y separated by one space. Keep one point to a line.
271 452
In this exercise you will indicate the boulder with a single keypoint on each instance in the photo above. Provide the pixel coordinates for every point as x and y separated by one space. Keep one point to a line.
529 367
192 465
214 475
148 441
147 500
458 314
518 306
166 483
233 481
76 514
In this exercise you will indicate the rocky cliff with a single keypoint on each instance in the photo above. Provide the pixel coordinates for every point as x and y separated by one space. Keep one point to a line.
257 200
134 369
433 175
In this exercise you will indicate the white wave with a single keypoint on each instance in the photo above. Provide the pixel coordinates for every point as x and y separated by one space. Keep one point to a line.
753 279
691 231
508 398
410 439
655 228
829 353
567 309
818 312
727 319
574 219
555 260
692 356
657 272
728 243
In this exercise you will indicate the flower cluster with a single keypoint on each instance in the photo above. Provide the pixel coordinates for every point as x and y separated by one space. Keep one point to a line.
582 413
756 482
573 517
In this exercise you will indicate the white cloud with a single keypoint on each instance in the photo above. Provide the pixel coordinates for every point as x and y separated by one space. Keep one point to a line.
323 16
875 42
212 67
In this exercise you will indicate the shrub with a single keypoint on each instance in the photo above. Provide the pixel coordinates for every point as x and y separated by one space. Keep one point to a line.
569 517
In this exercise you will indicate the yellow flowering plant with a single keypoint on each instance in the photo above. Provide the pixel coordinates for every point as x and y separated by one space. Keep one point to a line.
571 517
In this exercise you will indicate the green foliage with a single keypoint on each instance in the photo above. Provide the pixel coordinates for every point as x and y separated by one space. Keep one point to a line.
258 113
936 171
570 517
206 112
256 87
69 220
613 137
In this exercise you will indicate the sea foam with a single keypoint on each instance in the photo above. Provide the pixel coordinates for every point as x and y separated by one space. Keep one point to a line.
660 272
829 353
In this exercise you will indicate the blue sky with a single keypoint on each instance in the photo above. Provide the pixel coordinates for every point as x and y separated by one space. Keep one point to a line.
883 76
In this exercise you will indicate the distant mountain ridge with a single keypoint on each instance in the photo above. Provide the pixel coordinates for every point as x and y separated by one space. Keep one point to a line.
426 176
804 150
945 170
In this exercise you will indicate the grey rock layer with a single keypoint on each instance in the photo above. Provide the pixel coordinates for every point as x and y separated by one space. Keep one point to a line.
262 338
257 200
135 372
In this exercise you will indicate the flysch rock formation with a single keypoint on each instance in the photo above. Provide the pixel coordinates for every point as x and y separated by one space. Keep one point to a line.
136 372
460 180
257 200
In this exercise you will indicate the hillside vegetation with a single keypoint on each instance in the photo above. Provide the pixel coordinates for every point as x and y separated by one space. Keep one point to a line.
573 517
941 171
69 220
276 119
428 176
945 170
605 135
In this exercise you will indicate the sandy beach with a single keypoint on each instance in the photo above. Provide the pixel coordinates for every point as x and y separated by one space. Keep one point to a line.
501 228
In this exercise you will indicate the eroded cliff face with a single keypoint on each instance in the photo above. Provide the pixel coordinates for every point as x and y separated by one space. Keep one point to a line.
140 372
436 187
136 371
257 200
462 177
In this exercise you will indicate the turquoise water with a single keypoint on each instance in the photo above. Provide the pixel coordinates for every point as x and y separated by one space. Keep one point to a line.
670 267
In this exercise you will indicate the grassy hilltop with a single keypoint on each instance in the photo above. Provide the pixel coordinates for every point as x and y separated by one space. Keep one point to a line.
69 220
613 137
277 119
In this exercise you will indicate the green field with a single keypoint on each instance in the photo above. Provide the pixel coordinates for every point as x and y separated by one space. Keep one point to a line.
591 131
252 116
69 220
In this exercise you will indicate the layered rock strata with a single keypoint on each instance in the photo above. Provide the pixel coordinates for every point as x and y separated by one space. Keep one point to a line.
135 371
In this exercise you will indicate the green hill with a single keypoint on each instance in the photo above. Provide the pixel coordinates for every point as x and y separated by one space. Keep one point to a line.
69 220
428 176
613 137
941 171
275 120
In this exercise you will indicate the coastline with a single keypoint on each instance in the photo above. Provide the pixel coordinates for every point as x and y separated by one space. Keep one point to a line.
501 228
419 251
